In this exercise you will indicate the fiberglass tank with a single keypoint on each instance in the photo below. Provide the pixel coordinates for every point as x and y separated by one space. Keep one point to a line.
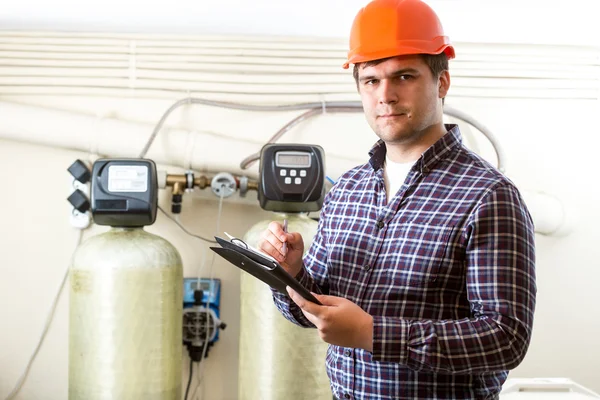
125 318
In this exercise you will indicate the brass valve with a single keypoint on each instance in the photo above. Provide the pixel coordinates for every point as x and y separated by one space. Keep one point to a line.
188 181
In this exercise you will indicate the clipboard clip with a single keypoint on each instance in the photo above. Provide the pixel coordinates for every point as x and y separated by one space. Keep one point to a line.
239 242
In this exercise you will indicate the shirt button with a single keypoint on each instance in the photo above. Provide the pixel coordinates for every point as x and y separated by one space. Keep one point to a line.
367 267
346 396
347 353
380 224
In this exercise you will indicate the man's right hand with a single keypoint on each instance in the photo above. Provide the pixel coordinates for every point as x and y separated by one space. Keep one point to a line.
271 243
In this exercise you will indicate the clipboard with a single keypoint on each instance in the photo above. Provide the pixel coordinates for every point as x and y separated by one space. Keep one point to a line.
261 266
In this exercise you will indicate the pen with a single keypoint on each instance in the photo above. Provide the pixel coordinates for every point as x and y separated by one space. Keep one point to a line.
285 228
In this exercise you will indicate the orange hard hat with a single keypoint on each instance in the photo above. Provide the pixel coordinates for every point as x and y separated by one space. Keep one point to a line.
388 28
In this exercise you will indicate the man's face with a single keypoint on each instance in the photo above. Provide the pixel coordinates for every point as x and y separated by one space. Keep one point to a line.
401 99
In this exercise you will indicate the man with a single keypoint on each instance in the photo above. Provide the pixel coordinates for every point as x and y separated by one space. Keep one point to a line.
424 255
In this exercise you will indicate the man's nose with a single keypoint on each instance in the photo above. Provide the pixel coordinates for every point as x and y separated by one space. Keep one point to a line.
387 92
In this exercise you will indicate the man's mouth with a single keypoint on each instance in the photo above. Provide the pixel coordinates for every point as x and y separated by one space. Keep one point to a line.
391 116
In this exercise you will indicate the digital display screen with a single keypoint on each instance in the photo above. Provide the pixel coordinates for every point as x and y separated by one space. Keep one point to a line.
293 159
204 286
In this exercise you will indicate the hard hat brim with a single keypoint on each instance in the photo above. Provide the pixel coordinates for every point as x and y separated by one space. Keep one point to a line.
399 51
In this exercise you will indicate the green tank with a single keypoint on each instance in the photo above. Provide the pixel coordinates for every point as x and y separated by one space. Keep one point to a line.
278 359
125 323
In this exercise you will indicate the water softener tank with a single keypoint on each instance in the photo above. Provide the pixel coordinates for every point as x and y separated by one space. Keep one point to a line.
278 359
125 330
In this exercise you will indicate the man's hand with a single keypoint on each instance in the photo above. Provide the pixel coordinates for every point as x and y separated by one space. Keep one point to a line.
340 322
271 243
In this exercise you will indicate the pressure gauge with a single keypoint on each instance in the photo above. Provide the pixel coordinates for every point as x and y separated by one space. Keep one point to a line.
292 177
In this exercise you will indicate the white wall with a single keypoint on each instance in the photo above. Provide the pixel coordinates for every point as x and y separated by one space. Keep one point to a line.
551 145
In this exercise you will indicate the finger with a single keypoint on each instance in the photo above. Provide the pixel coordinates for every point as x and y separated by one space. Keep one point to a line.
330 301
276 228
295 240
315 321
274 240
267 248
270 243
304 304
296 298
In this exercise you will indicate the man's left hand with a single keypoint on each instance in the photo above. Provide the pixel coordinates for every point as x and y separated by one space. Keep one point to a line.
340 322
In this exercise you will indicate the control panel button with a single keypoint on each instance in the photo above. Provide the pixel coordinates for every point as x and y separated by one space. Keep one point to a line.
303 173
297 181
293 172
288 181
283 172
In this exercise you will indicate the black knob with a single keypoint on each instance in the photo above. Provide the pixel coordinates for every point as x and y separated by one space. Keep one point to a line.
79 200
176 203
80 171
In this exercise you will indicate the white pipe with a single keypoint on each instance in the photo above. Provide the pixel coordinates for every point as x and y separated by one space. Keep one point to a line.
190 149
453 112
115 138
186 149
272 68
247 98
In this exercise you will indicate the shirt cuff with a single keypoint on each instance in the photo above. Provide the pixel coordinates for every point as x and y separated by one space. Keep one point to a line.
390 339
303 277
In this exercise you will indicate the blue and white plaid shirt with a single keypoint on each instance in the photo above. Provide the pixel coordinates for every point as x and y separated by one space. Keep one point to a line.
446 269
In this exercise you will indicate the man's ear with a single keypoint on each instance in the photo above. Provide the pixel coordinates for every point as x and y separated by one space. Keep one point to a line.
443 84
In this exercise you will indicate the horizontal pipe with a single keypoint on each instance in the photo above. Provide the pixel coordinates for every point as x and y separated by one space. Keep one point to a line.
116 138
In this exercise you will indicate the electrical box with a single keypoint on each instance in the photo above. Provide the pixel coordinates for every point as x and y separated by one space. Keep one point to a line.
211 292
201 314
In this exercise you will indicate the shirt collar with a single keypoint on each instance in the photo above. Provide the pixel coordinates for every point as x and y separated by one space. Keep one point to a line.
436 152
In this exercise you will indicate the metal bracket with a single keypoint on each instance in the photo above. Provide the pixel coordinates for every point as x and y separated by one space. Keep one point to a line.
243 186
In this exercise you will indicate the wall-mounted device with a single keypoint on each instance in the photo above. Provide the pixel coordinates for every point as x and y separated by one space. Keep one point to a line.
201 310
124 192
292 177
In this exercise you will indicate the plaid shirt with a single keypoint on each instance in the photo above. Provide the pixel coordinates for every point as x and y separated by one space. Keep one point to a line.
446 269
